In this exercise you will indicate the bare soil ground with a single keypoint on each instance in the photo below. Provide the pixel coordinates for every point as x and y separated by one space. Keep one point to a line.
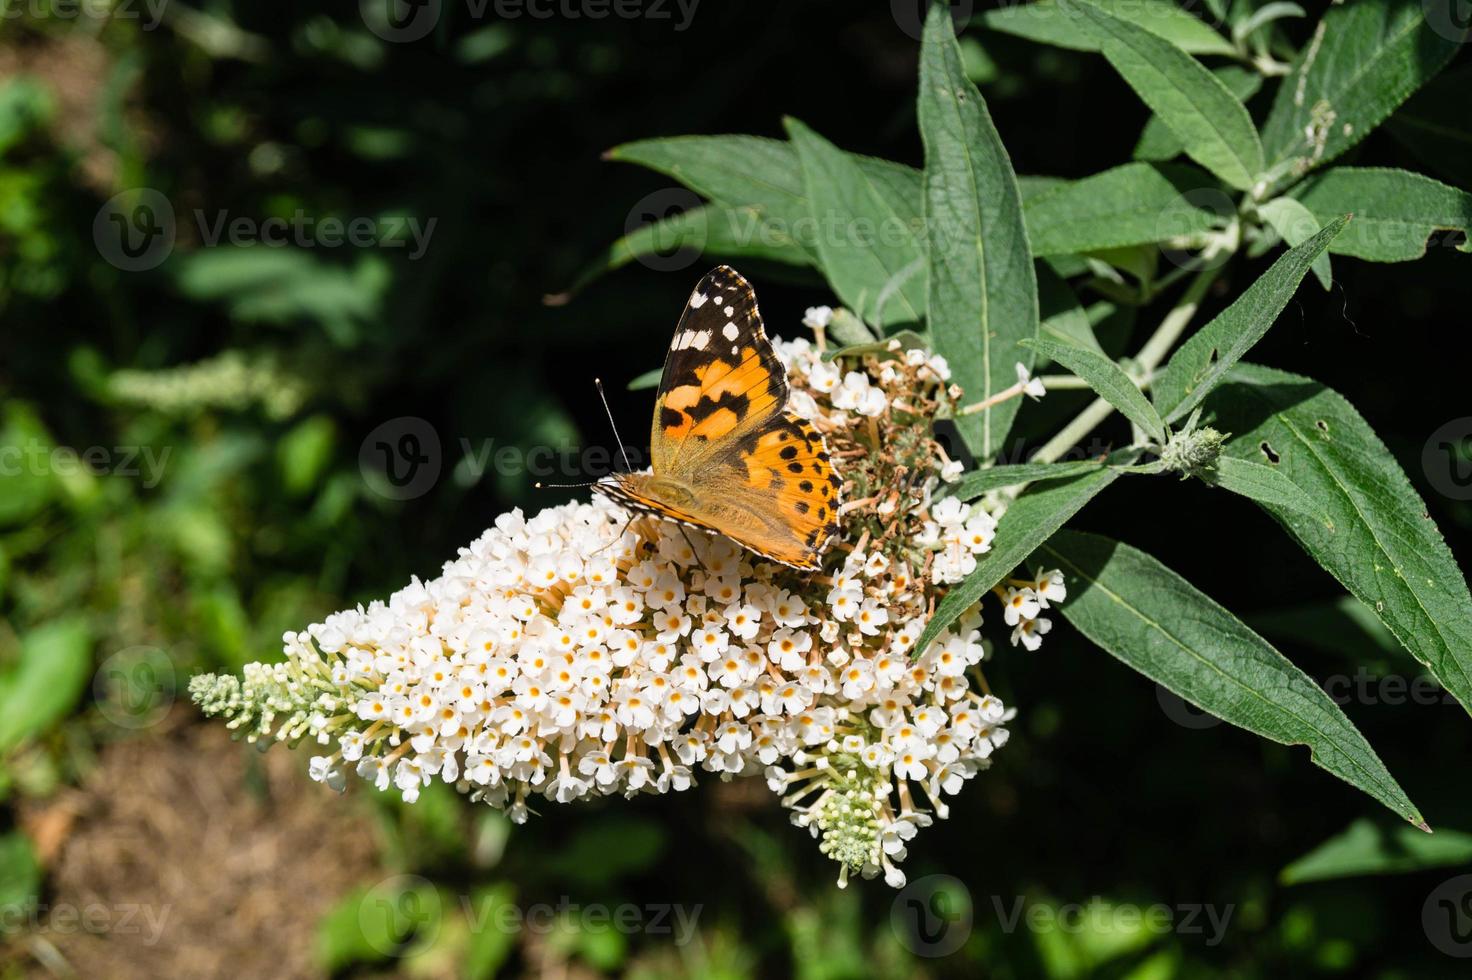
188 855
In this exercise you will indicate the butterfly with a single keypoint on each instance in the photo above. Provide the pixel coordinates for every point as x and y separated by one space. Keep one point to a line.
726 454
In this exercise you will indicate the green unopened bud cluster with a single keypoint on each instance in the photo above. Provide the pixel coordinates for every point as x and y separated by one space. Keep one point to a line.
276 702
1193 453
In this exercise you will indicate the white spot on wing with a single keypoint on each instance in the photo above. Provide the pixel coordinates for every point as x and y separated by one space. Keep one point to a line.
730 311
692 338
730 332
697 300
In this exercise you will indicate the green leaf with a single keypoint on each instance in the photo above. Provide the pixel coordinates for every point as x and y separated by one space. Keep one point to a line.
55 665
760 182
1296 224
1382 547
1364 59
1158 623
1133 204
890 348
1031 520
1243 30
1435 125
1366 848
1049 23
1395 211
1343 626
1109 380
649 379
1264 483
760 175
303 453
863 241
1157 142
490 944
1212 124
713 230
31 485
1203 361
20 880
1062 318
982 294
977 482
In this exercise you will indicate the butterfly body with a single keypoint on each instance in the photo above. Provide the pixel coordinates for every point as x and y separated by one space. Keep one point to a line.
727 455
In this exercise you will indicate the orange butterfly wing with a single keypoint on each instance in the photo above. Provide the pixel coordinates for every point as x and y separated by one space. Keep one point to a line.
726 455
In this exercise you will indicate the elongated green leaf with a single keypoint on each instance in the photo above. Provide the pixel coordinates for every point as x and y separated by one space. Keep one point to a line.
890 348
1266 484
1129 205
1344 627
1383 547
1158 623
974 484
1296 224
1243 30
1108 379
1366 848
1395 211
735 171
982 295
862 242
55 663
1157 142
1062 318
1212 124
1048 23
1435 125
1201 362
760 180
728 233
649 379
1364 59
1031 520
20 880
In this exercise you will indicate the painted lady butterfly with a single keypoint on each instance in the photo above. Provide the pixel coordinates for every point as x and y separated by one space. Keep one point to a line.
727 455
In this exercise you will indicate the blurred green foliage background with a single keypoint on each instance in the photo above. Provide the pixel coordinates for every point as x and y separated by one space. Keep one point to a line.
185 481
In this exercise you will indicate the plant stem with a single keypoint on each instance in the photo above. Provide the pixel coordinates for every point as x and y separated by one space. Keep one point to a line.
1148 359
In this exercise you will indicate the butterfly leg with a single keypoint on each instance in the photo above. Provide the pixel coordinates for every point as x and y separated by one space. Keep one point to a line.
693 550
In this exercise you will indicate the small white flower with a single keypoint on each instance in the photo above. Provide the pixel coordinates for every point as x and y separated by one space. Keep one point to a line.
817 317
1031 387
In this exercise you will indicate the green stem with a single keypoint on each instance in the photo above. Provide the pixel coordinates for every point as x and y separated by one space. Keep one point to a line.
1148 359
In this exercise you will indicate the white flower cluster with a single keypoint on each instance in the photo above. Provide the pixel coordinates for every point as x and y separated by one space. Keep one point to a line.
585 651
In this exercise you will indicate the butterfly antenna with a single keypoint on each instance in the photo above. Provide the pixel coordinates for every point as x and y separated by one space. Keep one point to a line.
598 383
